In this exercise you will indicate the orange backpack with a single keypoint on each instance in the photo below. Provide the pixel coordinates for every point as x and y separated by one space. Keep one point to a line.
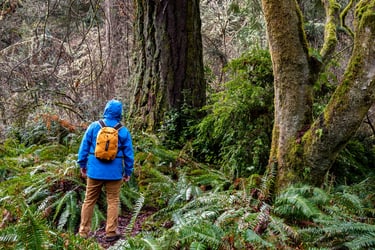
107 142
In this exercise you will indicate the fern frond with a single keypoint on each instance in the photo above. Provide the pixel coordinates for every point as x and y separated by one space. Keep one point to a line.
366 241
69 216
59 204
204 232
68 203
63 218
45 204
31 230
97 217
343 232
295 207
320 197
8 235
355 228
185 191
208 206
197 246
251 237
136 243
74 212
137 209
151 243
268 180
349 203
295 203
128 195
283 231
51 152
39 193
209 178
228 215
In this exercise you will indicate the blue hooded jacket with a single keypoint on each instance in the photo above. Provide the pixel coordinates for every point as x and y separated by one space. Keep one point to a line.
103 170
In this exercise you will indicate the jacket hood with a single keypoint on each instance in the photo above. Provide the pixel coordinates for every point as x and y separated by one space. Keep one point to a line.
113 110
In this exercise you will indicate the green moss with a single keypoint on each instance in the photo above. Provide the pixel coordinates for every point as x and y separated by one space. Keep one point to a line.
363 8
331 38
330 33
343 16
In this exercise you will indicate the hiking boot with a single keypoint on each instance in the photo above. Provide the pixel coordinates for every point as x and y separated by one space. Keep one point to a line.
112 238
83 235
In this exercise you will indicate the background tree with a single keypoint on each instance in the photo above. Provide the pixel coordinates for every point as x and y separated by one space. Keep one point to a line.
169 63
65 58
230 28
303 149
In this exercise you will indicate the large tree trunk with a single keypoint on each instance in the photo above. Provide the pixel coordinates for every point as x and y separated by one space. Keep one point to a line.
169 61
304 150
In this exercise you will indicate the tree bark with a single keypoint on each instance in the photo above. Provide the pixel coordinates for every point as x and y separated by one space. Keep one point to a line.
302 149
169 61
292 79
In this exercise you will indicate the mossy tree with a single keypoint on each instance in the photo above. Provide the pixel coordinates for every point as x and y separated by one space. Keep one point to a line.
304 148
168 61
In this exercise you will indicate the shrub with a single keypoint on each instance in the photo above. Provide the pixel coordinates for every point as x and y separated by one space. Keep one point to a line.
236 133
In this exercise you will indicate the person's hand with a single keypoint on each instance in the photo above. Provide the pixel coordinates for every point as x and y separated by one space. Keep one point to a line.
125 178
84 172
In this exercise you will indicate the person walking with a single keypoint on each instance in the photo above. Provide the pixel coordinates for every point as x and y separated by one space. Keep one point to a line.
107 174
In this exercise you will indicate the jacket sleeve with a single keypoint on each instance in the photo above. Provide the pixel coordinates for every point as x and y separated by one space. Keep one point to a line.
84 149
128 155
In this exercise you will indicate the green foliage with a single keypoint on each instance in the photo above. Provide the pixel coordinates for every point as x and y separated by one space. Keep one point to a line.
29 233
355 162
32 231
177 126
300 203
45 127
237 130
198 207
195 206
137 208
354 235
328 219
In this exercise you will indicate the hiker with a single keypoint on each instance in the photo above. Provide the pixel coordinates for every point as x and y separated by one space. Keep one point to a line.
107 173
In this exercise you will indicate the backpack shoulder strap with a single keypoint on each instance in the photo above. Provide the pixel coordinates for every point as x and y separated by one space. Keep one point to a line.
118 126
102 123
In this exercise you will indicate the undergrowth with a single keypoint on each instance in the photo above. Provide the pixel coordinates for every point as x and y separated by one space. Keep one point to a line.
210 193
196 206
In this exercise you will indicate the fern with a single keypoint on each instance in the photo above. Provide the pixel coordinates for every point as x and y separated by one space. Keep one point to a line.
300 203
97 217
349 203
69 216
184 191
284 232
196 245
129 193
268 180
136 243
206 233
344 233
209 178
366 241
8 237
29 233
252 237
137 208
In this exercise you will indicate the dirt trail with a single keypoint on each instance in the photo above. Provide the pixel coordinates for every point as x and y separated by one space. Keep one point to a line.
123 222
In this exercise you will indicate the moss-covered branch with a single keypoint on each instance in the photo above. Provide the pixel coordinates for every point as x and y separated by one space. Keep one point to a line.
343 16
350 102
330 33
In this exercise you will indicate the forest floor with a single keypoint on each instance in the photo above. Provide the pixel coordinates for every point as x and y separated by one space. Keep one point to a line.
123 223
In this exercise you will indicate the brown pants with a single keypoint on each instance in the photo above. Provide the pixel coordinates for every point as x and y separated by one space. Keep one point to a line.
93 189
